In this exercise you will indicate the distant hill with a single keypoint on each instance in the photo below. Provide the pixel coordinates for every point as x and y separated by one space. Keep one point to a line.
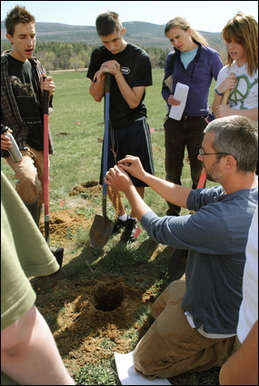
140 33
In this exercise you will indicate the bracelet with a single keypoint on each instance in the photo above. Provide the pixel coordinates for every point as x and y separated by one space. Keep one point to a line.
219 93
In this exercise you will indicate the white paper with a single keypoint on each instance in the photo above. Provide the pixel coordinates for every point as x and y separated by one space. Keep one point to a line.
128 375
181 93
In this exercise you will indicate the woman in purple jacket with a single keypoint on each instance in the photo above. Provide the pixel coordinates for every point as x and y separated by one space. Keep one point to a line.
192 63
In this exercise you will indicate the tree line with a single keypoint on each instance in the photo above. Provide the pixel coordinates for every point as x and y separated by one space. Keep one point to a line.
75 55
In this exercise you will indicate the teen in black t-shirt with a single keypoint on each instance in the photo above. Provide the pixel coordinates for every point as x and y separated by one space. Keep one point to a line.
130 68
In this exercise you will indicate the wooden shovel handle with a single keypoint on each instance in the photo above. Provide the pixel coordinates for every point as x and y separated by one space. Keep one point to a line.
226 95
225 98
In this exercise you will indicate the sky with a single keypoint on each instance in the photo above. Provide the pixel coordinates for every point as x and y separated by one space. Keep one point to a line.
210 16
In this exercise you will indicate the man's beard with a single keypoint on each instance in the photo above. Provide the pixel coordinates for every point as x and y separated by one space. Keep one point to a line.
213 174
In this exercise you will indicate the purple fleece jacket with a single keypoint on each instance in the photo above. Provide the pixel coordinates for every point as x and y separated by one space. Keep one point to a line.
198 76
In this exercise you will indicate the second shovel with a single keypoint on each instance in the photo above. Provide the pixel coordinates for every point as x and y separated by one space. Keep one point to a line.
57 252
102 226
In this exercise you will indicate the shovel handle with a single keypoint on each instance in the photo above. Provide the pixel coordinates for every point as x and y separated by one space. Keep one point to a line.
45 102
226 94
202 179
46 132
106 127
46 161
107 87
225 97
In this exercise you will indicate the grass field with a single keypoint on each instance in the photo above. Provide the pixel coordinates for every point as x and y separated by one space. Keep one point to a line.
86 335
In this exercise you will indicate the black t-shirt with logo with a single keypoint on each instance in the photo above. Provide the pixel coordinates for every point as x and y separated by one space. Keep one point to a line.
136 68
26 88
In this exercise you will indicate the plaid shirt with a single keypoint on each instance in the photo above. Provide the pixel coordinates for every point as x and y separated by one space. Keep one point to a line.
10 114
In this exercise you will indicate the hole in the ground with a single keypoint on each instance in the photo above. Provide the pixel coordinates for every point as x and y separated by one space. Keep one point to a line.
108 298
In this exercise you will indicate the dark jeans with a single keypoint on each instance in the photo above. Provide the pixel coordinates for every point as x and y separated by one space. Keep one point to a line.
188 132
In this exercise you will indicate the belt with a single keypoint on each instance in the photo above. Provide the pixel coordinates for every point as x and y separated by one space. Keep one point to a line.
187 117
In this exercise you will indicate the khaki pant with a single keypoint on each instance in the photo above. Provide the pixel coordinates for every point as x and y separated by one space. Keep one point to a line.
172 347
30 175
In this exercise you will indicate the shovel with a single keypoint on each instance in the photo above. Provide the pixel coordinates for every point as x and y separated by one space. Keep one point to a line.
203 176
202 179
102 226
57 252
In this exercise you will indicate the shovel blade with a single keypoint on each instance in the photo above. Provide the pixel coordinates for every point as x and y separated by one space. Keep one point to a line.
100 231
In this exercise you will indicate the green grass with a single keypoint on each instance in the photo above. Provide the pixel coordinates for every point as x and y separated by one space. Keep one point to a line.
90 375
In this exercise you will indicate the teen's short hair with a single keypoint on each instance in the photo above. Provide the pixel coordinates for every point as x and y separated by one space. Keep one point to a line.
108 22
16 16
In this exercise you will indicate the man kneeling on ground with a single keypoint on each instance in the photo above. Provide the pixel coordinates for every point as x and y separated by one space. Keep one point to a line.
196 319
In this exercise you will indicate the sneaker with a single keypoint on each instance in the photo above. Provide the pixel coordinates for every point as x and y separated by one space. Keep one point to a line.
118 226
129 232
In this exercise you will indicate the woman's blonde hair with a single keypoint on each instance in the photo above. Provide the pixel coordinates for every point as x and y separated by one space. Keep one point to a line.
180 22
243 29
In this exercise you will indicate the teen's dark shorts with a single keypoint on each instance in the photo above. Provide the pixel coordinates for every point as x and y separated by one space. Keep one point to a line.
132 140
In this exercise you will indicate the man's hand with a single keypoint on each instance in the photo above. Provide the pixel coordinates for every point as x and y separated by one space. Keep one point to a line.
133 166
46 83
229 83
6 143
111 66
118 179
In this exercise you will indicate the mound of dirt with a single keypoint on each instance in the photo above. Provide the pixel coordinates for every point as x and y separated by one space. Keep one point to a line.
62 221
86 189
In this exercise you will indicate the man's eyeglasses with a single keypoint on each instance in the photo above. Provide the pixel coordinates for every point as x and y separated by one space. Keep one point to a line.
202 153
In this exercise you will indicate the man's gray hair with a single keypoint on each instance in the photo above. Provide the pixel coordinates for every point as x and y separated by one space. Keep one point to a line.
236 135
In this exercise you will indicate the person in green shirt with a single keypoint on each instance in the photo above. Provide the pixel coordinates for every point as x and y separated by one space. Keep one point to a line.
29 355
